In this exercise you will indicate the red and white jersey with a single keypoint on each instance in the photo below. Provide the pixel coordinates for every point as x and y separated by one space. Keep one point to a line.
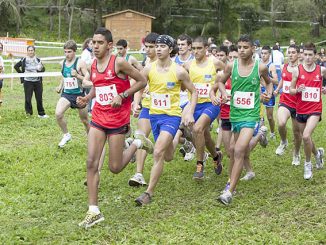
108 85
225 108
309 101
286 98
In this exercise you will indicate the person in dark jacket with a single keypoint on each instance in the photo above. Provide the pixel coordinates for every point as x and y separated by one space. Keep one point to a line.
32 64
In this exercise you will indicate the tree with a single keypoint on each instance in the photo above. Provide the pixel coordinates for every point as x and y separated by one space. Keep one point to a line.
9 13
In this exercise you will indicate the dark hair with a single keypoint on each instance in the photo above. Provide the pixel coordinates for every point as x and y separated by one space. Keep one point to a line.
71 44
183 37
85 44
246 38
310 46
268 48
224 49
122 42
1 44
30 46
105 32
175 49
151 37
201 39
297 48
233 48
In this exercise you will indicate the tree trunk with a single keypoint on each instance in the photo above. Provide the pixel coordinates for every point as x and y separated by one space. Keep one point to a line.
72 5
59 27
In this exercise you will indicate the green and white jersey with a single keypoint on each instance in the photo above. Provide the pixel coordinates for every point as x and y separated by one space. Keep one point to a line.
245 94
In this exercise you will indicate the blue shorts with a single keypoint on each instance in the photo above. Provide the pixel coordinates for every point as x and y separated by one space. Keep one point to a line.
271 102
237 126
144 114
162 122
206 108
278 72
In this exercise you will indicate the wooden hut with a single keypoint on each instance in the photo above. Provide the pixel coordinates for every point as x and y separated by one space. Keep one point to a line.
129 25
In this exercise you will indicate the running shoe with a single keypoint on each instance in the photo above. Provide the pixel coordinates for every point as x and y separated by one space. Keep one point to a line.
307 174
147 145
43 116
225 198
218 167
320 158
249 176
281 148
272 136
143 199
91 219
182 151
137 180
296 159
190 155
199 174
263 141
66 137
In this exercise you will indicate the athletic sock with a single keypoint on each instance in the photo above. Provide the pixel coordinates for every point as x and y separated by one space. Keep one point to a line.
94 209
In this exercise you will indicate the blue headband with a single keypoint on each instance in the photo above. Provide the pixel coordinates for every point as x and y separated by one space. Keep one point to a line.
165 39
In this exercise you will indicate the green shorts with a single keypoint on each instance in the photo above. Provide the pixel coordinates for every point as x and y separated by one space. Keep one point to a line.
237 126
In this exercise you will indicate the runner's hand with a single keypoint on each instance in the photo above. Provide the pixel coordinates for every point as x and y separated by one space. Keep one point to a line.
265 98
323 90
116 102
275 92
135 109
81 101
58 89
188 120
301 88
74 73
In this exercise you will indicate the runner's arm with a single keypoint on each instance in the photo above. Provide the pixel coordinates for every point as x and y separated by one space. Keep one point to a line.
268 83
135 63
220 84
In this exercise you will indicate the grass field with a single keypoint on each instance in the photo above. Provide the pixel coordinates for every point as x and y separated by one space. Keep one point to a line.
42 196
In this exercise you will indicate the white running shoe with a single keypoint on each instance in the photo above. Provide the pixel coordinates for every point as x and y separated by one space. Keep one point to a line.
137 180
281 148
272 136
43 116
128 142
320 158
263 141
307 174
249 176
66 137
225 197
190 155
296 160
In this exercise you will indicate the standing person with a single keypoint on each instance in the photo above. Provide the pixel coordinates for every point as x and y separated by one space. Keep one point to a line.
307 86
265 59
143 123
278 61
31 64
287 107
87 54
2 66
246 75
110 117
71 87
202 72
165 78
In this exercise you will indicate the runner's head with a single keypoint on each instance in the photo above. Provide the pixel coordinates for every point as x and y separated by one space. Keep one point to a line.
265 53
199 47
102 42
70 48
309 52
184 44
30 51
246 47
122 47
293 53
164 46
233 52
150 45
301 54
222 53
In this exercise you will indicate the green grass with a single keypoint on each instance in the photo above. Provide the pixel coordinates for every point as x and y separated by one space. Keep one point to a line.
42 196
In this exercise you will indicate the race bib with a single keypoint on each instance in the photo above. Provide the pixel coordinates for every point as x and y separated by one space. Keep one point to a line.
70 83
311 94
244 100
228 92
161 101
105 94
203 89
286 86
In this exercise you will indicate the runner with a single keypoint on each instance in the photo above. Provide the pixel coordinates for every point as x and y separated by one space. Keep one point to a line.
71 87
165 78
184 43
122 47
202 72
245 105
143 124
306 85
269 106
287 107
110 117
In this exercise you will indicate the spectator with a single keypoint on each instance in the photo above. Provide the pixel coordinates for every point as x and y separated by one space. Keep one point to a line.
31 64
87 55
278 60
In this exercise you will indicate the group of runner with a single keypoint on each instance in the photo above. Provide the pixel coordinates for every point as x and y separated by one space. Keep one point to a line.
178 98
